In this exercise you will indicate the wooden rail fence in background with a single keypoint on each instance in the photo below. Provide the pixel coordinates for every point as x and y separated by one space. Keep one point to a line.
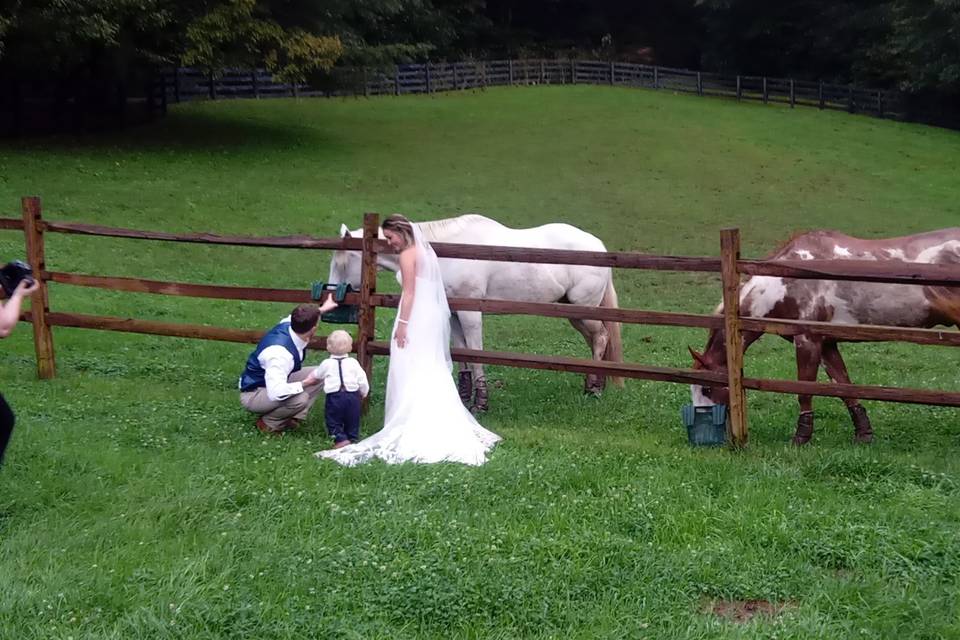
183 84
730 266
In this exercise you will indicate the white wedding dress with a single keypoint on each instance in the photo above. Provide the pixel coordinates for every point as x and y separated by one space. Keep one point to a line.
424 419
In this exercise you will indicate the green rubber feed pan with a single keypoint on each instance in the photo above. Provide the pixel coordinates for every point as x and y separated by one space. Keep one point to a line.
706 426
345 313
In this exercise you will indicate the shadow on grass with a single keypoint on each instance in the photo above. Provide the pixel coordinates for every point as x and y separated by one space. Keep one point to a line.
191 130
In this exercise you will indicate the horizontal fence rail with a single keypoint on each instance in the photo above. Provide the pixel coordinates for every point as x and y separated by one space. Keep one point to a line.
292 242
184 84
729 265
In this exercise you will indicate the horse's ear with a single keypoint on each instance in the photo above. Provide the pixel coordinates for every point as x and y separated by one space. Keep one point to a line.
697 357
344 231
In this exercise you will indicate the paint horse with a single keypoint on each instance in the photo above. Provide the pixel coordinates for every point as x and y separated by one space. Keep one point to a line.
838 302
517 281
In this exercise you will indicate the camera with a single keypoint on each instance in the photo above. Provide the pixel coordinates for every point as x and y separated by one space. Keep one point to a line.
12 273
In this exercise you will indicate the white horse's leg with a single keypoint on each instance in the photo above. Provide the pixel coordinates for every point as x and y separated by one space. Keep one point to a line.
465 379
596 336
471 322
588 291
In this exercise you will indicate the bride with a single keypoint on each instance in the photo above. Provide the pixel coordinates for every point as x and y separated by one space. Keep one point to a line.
424 419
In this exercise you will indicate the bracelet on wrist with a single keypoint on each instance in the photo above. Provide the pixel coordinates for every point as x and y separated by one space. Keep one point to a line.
402 321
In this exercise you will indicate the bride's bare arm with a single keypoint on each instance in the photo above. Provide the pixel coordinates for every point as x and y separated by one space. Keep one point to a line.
408 275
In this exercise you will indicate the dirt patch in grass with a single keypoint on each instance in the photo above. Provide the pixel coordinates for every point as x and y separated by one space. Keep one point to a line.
742 611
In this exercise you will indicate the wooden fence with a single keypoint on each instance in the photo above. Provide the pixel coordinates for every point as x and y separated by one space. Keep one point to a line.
729 265
188 84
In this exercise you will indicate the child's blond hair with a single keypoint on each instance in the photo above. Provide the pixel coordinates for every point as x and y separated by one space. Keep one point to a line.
339 343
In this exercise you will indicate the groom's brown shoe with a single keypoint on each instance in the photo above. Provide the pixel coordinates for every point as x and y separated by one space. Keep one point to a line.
264 429
341 444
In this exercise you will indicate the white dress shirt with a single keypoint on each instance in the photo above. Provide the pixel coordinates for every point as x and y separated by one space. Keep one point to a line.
277 365
354 377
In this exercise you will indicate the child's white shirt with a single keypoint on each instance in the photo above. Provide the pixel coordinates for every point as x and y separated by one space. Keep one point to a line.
354 377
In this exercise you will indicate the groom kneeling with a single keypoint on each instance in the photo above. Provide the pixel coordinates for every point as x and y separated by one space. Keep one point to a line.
274 385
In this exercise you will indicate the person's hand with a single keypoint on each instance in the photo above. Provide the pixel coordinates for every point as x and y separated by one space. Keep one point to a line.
400 335
329 304
26 287
311 379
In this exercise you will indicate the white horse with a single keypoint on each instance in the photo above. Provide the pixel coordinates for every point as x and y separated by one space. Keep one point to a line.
519 281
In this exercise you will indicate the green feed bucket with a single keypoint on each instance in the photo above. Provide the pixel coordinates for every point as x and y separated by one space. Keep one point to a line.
706 426
345 313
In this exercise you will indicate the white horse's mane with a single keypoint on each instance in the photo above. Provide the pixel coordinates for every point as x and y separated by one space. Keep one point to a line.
437 230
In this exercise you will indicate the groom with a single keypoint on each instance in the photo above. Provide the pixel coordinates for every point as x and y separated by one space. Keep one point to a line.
274 384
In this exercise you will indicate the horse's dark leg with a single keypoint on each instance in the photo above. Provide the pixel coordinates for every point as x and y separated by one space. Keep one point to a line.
465 380
480 400
837 370
472 324
809 351
596 336
465 386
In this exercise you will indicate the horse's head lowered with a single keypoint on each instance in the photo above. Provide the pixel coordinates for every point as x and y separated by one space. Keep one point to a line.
345 266
713 358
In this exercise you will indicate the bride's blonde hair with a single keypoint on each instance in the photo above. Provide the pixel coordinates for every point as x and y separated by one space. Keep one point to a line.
399 224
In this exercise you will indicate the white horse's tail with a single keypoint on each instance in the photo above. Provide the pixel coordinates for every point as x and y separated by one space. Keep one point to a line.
614 350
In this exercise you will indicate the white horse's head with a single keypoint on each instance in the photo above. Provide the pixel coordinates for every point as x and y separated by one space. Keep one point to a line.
345 266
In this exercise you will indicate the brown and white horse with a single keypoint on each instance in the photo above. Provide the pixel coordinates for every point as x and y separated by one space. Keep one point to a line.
838 302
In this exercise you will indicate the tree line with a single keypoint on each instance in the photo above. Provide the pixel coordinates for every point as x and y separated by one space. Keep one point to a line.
909 45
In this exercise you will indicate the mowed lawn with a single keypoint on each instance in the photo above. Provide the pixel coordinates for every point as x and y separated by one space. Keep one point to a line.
138 501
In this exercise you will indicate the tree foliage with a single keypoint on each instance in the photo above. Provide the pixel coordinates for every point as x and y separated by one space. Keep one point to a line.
908 44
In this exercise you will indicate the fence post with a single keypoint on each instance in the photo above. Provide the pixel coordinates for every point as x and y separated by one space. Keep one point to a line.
729 255
850 98
573 72
699 84
656 77
40 300
368 285
543 73
483 74
426 76
879 103
255 83
613 77
396 80
366 84
510 66
739 89
213 87
764 89
176 83
820 95
455 83
793 94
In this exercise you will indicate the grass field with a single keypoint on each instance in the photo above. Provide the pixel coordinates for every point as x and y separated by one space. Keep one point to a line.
138 501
